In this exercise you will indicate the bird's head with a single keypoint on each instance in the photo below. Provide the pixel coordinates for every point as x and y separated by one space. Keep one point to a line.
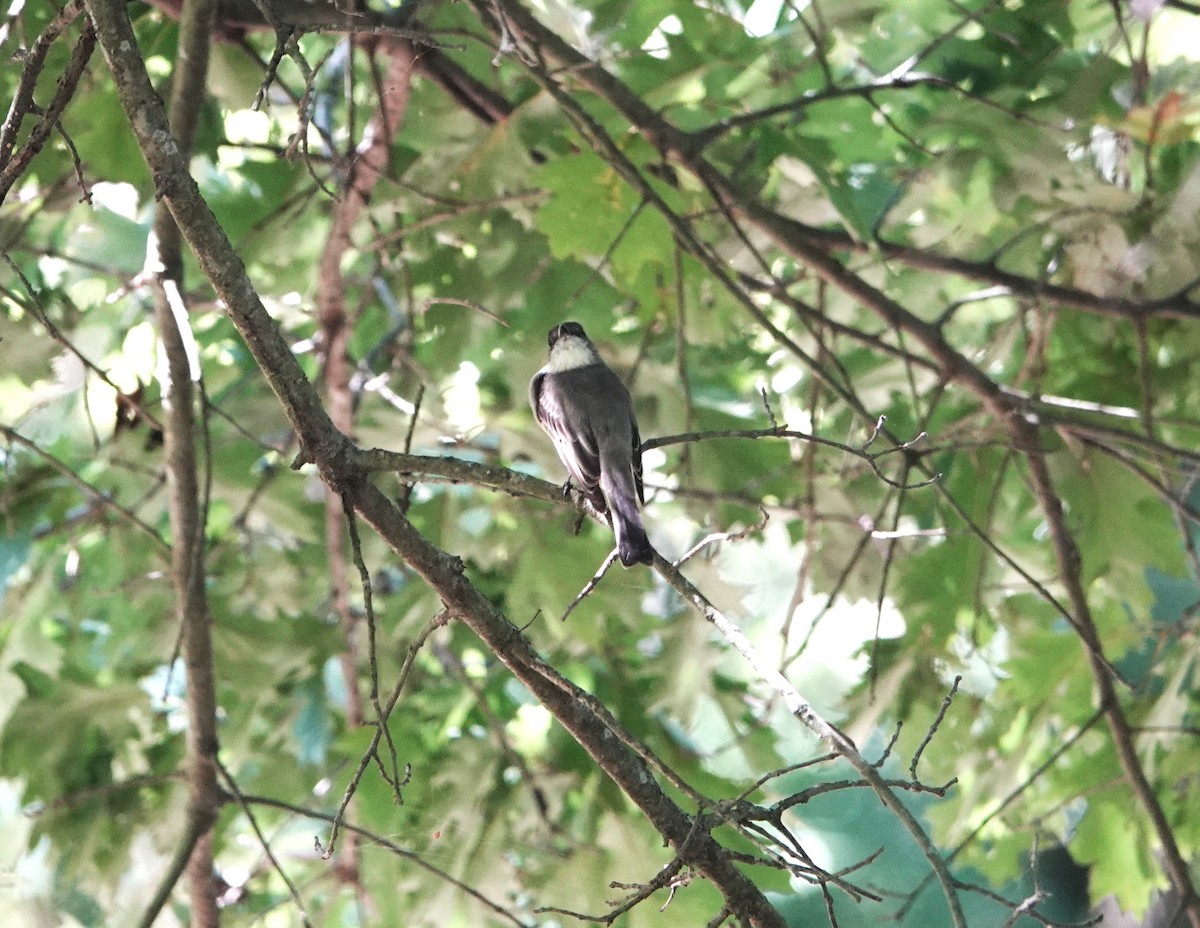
570 348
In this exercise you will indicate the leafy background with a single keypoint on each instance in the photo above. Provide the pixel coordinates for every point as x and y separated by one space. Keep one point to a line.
1018 183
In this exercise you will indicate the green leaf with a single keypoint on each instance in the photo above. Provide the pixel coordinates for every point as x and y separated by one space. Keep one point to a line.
1119 865
591 210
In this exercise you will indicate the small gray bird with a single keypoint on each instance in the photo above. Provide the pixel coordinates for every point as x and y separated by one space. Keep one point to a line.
587 412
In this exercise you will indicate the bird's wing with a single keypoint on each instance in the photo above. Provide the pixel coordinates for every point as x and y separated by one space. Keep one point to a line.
637 463
575 443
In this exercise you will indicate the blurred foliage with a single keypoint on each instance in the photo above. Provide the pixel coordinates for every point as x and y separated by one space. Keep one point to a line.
1038 139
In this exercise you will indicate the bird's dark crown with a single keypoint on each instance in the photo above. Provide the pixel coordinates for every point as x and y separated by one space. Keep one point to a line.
566 328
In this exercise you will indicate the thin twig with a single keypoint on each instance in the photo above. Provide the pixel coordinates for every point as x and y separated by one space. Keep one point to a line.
231 783
946 701
591 584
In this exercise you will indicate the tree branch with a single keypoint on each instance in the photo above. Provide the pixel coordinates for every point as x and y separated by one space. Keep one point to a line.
1070 574
332 453
511 21
188 504
803 711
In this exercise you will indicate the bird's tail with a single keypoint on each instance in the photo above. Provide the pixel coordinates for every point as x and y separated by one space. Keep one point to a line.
633 545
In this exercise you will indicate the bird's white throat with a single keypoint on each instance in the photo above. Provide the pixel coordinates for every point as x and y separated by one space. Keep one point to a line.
570 352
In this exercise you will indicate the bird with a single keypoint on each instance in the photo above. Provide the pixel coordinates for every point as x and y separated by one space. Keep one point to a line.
584 407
